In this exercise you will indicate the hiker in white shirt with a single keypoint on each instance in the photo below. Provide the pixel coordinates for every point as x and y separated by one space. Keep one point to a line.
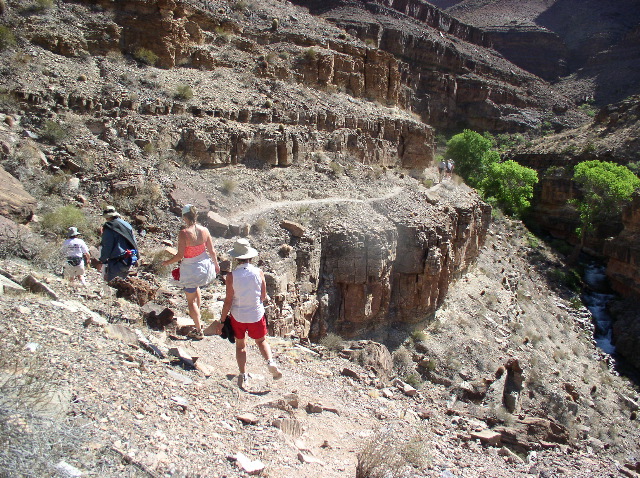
246 292
76 253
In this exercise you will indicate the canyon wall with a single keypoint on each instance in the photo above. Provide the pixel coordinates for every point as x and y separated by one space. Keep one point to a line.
388 263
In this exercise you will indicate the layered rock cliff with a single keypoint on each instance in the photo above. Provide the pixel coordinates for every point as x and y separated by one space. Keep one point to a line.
455 81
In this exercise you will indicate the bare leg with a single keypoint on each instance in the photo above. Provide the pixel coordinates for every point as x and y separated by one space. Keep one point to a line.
264 347
198 298
194 308
241 354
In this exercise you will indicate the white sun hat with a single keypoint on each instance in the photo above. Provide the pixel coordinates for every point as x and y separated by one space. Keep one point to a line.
242 250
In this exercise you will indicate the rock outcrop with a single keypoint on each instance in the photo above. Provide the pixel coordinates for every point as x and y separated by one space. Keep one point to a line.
14 199
623 252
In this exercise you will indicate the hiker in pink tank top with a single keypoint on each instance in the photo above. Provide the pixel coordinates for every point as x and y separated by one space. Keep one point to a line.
199 263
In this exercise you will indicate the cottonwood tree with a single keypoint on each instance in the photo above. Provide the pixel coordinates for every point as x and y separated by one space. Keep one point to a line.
510 186
473 156
605 188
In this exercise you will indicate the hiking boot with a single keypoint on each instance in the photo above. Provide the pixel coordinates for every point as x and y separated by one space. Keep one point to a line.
275 371
243 380
195 335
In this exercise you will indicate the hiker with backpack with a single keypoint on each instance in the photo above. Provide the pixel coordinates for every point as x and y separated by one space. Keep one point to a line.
76 253
119 249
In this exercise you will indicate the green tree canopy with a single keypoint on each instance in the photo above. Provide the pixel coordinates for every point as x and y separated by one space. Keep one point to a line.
510 185
472 154
605 188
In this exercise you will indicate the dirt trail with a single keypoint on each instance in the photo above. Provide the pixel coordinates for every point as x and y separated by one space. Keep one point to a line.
306 202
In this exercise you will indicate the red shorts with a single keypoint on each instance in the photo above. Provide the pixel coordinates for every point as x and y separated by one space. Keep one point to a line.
256 330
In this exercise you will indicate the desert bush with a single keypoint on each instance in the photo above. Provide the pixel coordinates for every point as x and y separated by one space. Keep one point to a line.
240 6
62 218
26 380
310 54
333 342
183 92
396 455
146 56
402 361
54 132
588 109
228 186
30 441
336 168
259 226
419 336
7 38
414 379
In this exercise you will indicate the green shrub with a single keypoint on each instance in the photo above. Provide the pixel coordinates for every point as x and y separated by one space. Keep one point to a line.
414 379
54 132
532 240
183 92
310 54
61 219
588 109
146 56
7 38
419 336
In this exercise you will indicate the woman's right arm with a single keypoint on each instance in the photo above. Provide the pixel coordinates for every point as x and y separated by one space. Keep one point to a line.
228 300
182 245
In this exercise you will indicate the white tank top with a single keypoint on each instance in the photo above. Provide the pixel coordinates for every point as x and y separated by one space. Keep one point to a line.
247 288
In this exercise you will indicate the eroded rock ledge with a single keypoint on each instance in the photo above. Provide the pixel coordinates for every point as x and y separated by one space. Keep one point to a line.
387 262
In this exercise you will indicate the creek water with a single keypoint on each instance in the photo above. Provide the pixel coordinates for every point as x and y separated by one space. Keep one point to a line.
595 296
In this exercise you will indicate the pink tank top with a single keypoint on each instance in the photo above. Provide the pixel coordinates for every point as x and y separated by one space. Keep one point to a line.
194 251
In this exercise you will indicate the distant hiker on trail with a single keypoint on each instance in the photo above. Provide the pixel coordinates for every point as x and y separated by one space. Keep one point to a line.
450 165
246 292
119 249
441 167
199 265
76 252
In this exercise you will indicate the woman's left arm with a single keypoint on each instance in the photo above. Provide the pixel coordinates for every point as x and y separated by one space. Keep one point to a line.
212 251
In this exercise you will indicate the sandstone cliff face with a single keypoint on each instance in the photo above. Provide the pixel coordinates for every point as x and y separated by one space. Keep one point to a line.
549 59
623 251
396 267
452 80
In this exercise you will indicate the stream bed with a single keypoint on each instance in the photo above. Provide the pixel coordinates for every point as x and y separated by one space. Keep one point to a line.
595 296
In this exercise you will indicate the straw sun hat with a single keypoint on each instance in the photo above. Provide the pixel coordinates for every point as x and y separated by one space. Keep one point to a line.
242 250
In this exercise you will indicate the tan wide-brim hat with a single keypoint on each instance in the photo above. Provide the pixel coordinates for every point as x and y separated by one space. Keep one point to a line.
242 250
110 212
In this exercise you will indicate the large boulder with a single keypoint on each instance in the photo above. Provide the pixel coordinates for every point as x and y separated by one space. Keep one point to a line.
14 199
